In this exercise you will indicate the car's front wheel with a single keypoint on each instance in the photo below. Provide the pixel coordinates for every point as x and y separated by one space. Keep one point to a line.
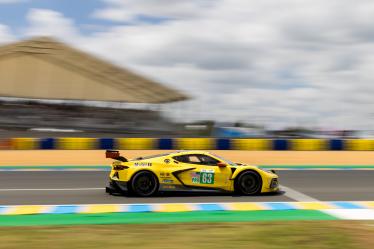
248 183
144 184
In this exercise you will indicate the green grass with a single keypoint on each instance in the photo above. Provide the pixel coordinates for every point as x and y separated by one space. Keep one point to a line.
156 217
261 235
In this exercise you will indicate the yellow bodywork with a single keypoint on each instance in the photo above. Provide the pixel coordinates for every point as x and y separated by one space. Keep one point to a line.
175 175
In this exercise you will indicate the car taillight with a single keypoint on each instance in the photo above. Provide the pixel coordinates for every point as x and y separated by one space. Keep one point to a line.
120 167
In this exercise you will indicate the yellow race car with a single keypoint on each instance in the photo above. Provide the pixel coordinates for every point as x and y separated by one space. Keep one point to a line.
186 171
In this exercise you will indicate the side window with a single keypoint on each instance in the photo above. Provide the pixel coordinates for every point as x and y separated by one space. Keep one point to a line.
207 160
182 159
193 159
197 159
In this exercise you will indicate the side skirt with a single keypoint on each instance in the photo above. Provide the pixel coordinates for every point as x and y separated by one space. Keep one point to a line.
185 188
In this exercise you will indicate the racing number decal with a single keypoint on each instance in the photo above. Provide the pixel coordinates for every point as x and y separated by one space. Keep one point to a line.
203 177
206 178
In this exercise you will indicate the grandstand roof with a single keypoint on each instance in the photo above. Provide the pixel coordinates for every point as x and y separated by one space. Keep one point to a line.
43 68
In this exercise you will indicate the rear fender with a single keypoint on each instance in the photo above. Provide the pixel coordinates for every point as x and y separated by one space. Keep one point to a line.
145 170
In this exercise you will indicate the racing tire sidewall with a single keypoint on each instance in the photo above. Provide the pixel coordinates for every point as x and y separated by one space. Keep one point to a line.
141 176
251 176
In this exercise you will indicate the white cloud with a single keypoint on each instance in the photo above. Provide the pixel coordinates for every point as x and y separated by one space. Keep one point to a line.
128 10
275 62
45 22
5 34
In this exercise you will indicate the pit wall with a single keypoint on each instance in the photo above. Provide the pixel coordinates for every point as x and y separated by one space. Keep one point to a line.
187 144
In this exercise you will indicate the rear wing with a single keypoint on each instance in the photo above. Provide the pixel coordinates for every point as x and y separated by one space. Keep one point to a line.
114 154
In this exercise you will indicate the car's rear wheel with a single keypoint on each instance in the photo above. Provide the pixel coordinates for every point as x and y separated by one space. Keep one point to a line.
144 184
248 183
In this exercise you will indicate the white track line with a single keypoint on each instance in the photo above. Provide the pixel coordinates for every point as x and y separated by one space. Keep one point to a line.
48 189
296 195
352 214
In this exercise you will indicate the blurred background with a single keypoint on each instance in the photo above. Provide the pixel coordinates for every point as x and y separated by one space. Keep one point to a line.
229 68
143 76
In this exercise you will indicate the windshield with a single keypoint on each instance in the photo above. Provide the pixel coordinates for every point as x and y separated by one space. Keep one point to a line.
225 160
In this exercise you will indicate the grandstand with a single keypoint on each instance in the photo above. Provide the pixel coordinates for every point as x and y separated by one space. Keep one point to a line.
48 84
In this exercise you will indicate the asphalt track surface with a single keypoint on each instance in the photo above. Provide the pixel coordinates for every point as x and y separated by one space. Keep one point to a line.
87 187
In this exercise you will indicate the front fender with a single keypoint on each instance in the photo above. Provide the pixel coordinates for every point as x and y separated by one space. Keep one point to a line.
241 169
266 177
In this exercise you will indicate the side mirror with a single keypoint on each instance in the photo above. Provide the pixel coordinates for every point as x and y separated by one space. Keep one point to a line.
220 164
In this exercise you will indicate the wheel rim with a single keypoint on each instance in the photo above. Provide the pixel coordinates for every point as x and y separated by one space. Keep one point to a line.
249 184
145 184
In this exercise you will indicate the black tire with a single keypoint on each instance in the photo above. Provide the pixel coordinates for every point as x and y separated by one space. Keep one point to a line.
144 184
248 183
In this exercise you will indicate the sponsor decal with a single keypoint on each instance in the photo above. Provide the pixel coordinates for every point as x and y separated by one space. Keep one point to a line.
143 164
164 174
167 181
168 187
195 176
195 179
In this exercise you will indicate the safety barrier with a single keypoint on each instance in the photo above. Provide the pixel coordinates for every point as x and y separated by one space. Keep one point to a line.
65 143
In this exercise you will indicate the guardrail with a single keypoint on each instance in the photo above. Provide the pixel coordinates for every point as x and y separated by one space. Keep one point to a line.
64 143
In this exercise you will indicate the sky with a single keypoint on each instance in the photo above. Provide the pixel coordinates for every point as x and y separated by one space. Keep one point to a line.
279 63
